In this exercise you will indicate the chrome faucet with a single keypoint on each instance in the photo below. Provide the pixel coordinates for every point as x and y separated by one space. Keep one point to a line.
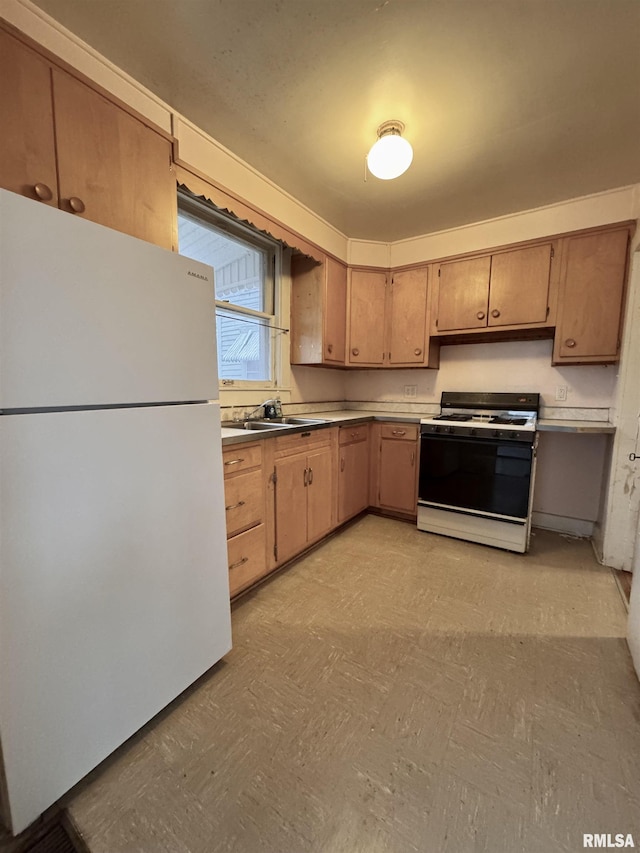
272 409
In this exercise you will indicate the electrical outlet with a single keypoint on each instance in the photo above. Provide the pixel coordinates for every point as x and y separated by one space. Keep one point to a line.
410 390
561 392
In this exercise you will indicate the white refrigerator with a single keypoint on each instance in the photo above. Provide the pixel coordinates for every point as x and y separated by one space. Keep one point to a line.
114 593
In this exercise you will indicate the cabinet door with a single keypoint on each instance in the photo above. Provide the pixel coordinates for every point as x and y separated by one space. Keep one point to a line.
463 294
28 148
408 317
353 486
319 493
397 468
591 296
291 506
118 168
335 312
367 291
519 289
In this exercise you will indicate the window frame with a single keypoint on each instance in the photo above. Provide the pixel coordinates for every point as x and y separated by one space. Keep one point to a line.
224 222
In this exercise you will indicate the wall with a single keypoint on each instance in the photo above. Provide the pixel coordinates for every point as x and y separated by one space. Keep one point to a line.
317 384
617 540
633 630
615 205
517 366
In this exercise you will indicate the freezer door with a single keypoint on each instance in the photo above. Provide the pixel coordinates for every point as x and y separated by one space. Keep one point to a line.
114 593
90 316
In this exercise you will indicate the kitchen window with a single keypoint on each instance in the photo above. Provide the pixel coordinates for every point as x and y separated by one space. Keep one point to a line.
246 266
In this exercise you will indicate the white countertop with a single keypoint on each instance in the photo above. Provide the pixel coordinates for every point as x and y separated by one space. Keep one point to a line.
559 425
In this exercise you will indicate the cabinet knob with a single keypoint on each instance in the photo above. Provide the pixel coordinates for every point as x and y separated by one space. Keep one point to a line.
76 204
480 315
239 562
398 432
355 351
417 351
495 313
570 342
43 192
329 347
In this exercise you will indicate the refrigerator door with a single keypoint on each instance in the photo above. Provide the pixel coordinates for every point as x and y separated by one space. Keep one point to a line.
114 593
90 316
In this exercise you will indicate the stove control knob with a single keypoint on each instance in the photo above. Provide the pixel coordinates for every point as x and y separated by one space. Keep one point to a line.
473 431
496 433
436 429
516 435
449 429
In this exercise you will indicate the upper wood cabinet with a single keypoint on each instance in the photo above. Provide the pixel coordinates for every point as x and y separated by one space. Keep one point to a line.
66 144
318 311
28 162
591 298
366 318
506 289
387 319
407 332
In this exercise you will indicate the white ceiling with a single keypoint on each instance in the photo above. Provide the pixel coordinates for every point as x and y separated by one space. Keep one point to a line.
509 104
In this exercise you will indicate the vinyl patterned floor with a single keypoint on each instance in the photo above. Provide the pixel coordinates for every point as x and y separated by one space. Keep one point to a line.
395 692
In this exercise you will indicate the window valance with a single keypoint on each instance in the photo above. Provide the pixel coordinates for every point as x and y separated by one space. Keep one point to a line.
225 201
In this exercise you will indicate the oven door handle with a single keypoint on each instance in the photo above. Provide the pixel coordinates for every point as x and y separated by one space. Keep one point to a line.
473 439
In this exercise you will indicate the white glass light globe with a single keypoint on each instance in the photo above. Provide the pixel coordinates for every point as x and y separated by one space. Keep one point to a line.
389 157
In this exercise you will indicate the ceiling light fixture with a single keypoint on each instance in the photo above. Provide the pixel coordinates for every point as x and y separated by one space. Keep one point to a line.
391 155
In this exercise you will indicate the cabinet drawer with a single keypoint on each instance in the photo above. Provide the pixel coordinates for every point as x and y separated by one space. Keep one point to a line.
301 442
407 432
244 501
247 558
349 434
240 457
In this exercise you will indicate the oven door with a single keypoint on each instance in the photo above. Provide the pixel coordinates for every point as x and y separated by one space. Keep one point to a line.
484 476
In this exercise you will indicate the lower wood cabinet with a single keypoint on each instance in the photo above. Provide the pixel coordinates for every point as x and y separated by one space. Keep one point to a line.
245 511
304 490
246 558
287 492
395 466
353 471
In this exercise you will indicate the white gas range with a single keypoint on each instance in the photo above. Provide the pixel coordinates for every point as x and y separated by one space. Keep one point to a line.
477 466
